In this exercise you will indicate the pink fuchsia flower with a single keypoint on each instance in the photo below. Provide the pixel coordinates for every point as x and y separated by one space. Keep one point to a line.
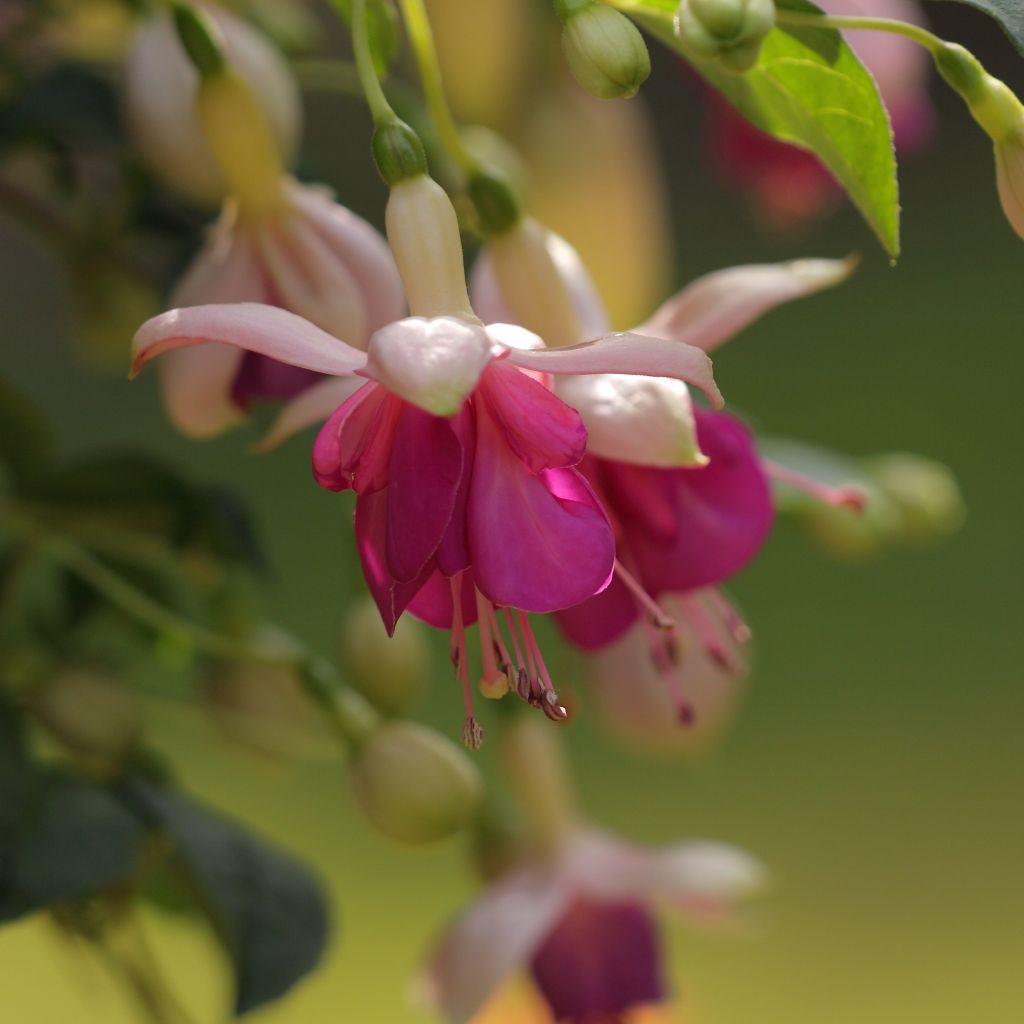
583 924
464 464
791 186
307 254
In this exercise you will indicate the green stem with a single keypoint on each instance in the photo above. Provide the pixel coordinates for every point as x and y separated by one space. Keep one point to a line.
923 37
380 109
421 37
350 715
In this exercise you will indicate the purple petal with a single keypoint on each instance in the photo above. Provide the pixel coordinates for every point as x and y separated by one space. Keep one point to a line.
601 959
539 427
433 601
263 378
423 481
538 542
601 619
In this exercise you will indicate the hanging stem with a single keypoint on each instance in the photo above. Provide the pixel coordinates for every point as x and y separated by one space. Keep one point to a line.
923 37
380 109
421 37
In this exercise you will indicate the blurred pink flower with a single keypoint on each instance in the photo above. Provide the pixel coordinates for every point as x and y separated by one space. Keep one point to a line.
463 463
582 922
790 186
313 257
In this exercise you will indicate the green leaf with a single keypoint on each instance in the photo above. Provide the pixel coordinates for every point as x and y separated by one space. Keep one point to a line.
266 906
27 442
809 89
64 840
1009 14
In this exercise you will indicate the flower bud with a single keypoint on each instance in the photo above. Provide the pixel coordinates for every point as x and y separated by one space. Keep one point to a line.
852 533
398 152
414 785
730 30
89 712
604 50
262 707
924 493
389 671
423 231
1010 178
161 85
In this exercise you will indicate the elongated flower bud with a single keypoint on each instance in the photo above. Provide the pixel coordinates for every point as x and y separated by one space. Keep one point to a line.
389 671
604 50
414 785
924 492
730 30
160 90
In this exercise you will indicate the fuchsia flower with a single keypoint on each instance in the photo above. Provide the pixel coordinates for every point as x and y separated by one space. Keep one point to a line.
463 461
582 922
309 255
790 185
688 496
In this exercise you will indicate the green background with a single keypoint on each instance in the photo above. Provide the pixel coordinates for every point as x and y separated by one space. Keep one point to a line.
876 765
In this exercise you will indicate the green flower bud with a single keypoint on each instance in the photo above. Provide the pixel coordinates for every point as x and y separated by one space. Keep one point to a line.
854 534
414 785
729 30
91 713
604 50
390 671
1010 178
923 492
398 152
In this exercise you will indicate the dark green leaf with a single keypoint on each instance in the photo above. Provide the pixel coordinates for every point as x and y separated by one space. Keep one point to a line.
1009 14
27 441
809 89
66 840
267 907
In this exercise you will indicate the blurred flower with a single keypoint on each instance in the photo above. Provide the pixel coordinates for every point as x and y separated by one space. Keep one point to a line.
583 923
790 186
468 498
160 90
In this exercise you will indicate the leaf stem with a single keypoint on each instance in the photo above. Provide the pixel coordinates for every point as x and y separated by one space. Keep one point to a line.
921 36
417 24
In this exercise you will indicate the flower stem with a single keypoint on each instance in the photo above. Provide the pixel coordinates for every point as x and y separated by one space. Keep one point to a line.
380 109
421 37
921 36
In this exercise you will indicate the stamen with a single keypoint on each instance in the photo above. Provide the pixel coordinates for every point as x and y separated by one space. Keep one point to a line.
472 732
545 694
664 649
649 605
707 633
838 497
738 629
494 683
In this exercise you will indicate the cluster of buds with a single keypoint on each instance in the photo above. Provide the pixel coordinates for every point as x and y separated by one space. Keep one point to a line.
729 31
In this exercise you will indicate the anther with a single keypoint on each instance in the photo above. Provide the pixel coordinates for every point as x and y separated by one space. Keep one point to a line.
472 733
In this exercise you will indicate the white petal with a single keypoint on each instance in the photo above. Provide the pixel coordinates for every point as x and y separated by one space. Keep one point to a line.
715 307
251 326
493 938
647 421
433 362
312 406
629 353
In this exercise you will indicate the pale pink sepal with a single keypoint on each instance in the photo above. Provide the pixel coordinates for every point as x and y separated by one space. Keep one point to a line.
251 326
494 937
715 307
432 362
628 353
309 408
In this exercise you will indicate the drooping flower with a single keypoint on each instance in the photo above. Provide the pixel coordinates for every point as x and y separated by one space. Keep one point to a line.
686 492
464 464
276 242
579 914
790 186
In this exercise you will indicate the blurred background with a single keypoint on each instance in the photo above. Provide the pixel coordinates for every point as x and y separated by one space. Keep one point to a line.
876 765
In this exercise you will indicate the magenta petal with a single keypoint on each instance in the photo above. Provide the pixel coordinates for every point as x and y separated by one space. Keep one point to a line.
724 511
392 596
453 554
433 601
423 481
539 542
261 377
540 428
601 619
600 961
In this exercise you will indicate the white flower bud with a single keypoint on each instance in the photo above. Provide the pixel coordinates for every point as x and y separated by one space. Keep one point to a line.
414 785
389 671
160 98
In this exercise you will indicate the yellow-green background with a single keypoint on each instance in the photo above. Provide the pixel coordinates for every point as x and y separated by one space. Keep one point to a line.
876 766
